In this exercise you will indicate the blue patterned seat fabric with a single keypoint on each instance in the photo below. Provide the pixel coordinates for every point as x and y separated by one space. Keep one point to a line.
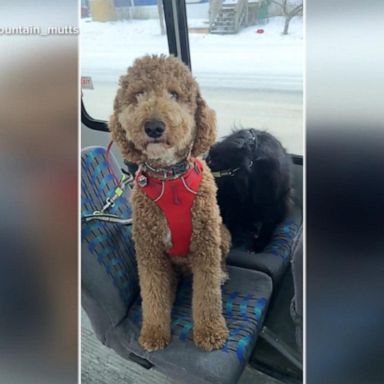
109 272
110 293
245 301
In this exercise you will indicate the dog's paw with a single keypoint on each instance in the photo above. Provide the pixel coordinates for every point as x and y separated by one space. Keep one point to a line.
211 336
154 338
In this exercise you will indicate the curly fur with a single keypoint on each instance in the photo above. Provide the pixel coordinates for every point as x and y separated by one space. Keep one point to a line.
162 88
258 196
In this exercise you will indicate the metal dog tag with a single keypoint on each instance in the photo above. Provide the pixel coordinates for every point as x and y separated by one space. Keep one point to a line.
142 180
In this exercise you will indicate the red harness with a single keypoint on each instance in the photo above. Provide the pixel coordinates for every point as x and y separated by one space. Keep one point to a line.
175 198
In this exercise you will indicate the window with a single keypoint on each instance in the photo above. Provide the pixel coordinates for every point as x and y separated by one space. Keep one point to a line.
249 72
111 38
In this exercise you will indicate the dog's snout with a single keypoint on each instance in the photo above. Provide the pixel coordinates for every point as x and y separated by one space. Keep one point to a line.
154 128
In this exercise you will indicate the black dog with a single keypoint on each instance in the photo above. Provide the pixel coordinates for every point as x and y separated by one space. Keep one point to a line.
253 175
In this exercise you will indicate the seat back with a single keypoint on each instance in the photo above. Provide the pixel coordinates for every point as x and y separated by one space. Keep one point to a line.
276 256
107 248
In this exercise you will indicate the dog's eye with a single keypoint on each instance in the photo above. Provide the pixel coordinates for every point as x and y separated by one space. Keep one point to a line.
174 95
139 93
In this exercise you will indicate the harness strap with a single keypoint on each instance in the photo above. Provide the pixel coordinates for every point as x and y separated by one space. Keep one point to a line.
175 198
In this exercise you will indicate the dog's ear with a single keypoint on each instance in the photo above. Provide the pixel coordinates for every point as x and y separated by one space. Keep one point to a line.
205 134
239 142
127 148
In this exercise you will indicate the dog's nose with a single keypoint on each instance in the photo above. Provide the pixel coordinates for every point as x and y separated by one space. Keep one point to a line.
154 128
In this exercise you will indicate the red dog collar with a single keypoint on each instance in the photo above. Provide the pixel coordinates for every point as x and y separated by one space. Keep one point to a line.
175 198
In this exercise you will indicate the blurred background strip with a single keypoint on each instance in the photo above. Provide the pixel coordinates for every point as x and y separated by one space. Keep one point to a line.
345 192
39 104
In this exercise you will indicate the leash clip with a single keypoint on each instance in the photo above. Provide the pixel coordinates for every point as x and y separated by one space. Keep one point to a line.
142 181
232 172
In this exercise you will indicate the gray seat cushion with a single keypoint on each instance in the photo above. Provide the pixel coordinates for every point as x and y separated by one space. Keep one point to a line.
275 257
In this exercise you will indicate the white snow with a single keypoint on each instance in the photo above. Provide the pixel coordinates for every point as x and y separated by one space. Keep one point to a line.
245 60
249 78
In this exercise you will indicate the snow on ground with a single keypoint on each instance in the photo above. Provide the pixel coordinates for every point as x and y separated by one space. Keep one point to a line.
247 59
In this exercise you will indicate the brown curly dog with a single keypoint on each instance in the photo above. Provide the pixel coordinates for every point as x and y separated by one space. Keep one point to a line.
161 122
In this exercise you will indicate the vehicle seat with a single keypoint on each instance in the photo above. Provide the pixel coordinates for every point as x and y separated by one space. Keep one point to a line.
275 257
111 299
